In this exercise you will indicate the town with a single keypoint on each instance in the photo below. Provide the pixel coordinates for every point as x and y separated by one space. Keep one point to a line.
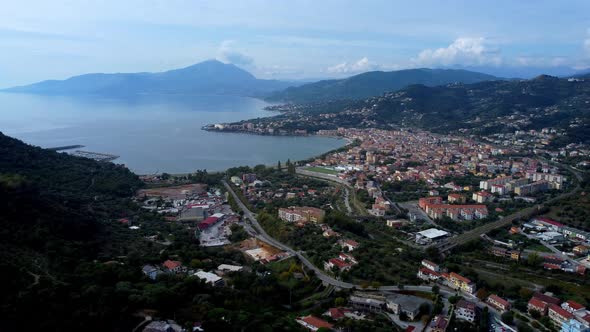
412 192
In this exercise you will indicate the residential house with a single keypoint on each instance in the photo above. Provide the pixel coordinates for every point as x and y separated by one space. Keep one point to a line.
301 213
150 271
465 310
173 266
572 306
459 282
427 274
430 265
349 244
540 303
410 305
456 198
482 197
439 323
313 323
558 315
343 262
395 223
498 303
337 313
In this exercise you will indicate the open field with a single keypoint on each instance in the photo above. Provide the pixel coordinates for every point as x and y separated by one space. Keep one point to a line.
322 170
175 192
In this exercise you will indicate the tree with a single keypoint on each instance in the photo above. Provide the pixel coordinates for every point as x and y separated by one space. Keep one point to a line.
534 259
483 321
508 317
291 168
455 298
279 165
523 327
424 309
482 293
435 289
339 301
375 284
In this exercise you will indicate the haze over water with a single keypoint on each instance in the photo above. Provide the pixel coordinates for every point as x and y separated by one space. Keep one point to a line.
154 133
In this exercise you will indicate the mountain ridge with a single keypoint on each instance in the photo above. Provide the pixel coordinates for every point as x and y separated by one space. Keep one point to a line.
375 83
211 77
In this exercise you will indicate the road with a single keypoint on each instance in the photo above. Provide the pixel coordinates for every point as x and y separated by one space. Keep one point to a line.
347 199
332 178
254 227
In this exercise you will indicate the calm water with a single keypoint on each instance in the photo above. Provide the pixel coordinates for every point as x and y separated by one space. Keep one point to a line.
154 134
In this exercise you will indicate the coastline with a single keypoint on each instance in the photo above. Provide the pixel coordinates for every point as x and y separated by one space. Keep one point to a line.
349 143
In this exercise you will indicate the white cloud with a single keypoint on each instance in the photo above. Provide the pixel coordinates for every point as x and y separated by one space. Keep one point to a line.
359 66
228 53
463 51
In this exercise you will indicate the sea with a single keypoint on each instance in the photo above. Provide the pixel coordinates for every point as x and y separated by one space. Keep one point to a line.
154 133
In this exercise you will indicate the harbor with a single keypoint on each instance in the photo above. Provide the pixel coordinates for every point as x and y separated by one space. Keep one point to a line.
94 155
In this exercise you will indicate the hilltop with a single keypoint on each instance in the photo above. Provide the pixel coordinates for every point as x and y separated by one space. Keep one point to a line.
375 83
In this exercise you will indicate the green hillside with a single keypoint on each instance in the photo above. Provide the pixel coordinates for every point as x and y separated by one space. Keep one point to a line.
375 83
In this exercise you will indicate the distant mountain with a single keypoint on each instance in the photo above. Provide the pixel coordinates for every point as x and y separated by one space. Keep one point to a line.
522 72
208 77
375 83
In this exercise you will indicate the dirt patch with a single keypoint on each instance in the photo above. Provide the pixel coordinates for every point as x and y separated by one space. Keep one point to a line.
175 192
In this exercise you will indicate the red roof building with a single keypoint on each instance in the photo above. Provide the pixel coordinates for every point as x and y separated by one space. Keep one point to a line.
172 266
337 313
537 305
558 315
439 323
572 306
313 323
547 298
207 223
498 303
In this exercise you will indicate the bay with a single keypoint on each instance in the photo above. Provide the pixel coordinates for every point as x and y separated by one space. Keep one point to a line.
154 133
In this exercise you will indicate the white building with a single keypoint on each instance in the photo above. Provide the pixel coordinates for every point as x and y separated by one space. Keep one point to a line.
430 235
209 278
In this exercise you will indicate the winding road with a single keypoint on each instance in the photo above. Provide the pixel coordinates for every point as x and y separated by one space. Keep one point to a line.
254 227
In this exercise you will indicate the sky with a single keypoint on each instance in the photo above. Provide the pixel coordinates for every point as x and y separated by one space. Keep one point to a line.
283 39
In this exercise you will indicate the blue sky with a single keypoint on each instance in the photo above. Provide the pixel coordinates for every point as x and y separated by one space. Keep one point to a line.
287 39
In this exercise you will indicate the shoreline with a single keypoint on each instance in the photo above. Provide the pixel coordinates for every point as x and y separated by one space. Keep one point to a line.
346 139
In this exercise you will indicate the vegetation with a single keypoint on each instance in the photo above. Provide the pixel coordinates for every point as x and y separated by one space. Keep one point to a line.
71 264
374 83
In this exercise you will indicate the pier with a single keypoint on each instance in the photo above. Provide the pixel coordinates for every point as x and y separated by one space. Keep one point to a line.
65 147
95 155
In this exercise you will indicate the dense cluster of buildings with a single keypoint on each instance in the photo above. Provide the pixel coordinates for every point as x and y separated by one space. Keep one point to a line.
432 272
434 207
532 183
569 316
